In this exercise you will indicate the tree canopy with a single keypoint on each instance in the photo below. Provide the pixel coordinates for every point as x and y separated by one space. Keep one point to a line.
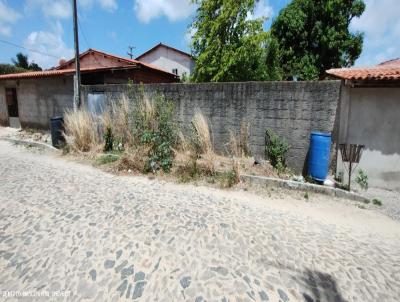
313 36
229 45
9 68
21 61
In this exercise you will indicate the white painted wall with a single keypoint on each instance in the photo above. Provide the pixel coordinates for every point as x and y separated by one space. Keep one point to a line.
371 116
168 59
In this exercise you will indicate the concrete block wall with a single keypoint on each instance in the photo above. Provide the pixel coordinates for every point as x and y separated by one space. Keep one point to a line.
39 100
291 109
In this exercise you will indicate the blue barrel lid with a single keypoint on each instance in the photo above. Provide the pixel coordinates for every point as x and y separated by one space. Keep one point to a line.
320 133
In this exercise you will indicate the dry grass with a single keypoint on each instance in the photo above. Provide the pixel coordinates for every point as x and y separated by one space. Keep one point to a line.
145 112
183 143
120 118
81 131
135 159
202 137
239 144
244 138
233 144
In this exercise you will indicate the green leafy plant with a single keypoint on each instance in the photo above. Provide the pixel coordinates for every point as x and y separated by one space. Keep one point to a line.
377 202
362 179
314 36
275 150
228 45
106 159
228 179
108 140
154 127
306 196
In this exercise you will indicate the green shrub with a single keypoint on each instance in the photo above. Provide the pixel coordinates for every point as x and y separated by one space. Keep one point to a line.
376 202
362 179
106 159
275 150
108 140
155 128
227 179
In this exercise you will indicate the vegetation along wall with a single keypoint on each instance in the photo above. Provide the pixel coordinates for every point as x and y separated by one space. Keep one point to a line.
291 109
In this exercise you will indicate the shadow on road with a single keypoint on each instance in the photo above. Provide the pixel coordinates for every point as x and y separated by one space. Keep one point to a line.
321 287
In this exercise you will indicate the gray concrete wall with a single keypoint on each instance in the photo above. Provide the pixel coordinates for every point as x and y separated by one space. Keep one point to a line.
371 117
291 109
39 99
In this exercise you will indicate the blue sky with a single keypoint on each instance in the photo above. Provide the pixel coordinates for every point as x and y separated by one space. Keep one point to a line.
112 25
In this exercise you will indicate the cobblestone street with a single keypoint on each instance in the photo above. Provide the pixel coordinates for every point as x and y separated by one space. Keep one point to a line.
69 227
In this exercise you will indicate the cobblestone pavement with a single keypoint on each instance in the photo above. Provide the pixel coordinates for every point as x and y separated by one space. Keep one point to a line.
69 227
390 201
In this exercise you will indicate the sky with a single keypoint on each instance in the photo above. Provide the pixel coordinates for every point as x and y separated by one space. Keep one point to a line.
44 28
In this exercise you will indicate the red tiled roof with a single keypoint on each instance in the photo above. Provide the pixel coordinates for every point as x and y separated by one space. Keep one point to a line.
128 61
394 62
57 71
385 72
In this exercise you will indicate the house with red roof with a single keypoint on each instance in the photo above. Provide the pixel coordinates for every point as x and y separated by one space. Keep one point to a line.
369 113
30 99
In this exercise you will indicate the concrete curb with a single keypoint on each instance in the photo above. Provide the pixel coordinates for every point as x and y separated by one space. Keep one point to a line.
29 143
306 187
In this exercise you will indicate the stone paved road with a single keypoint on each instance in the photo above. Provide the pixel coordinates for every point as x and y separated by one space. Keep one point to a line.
68 227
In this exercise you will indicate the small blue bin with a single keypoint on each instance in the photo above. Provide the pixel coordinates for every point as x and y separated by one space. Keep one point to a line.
318 159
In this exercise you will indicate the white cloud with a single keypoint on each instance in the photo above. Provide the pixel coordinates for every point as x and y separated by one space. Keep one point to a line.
48 42
108 5
59 9
5 30
174 10
261 10
8 16
381 25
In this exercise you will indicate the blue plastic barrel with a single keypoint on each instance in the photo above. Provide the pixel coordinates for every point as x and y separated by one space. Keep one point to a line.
318 159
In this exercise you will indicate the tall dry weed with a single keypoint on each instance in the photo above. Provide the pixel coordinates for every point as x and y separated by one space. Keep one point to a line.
121 123
239 144
81 131
201 134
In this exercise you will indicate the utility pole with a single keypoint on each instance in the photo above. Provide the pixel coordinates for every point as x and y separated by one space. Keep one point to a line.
77 77
130 52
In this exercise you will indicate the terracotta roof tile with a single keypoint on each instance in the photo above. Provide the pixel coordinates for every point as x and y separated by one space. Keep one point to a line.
394 62
387 72
56 72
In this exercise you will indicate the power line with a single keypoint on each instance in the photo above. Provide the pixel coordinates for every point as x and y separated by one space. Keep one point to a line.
86 39
82 31
29 49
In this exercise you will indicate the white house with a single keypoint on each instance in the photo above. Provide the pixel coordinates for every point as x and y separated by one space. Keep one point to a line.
169 59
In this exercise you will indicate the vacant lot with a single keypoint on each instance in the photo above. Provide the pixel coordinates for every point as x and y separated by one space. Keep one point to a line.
72 228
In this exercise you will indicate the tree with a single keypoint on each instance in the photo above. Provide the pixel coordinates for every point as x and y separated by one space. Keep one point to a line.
21 61
313 36
228 44
9 68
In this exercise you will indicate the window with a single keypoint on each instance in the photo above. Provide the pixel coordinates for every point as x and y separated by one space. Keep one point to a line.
175 71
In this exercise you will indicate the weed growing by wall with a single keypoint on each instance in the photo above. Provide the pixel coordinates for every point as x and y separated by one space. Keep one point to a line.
275 150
